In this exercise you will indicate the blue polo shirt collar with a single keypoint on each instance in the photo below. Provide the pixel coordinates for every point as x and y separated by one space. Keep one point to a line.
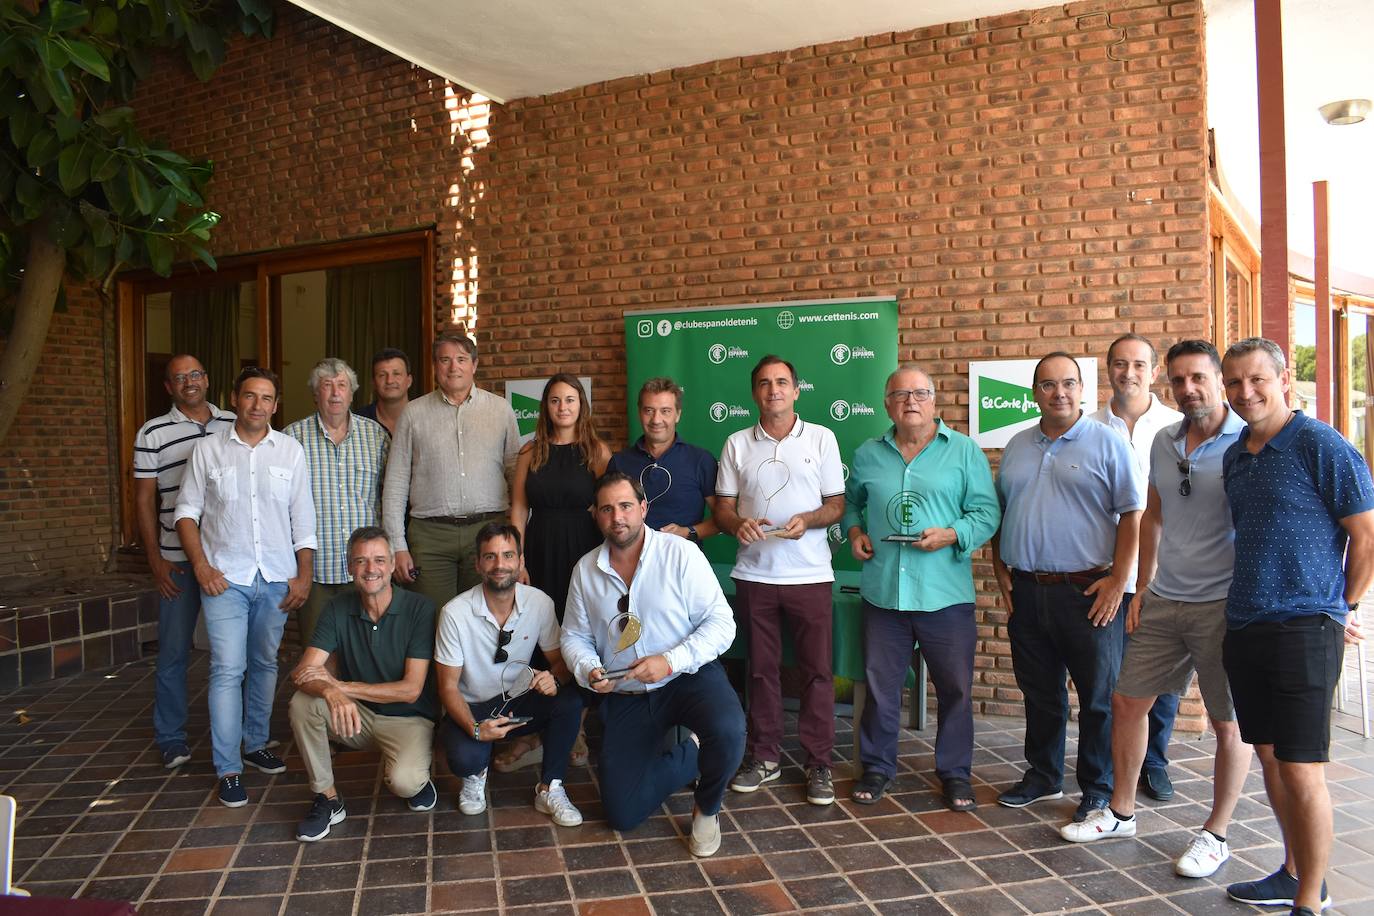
639 445
1284 437
1070 433
1232 425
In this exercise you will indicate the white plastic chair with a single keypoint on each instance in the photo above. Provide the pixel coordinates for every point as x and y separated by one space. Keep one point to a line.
7 889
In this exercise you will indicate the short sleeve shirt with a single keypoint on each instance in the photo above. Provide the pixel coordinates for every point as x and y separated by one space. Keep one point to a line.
1062 498
469 634
677 483
1287 503
375 652
162 450
776 479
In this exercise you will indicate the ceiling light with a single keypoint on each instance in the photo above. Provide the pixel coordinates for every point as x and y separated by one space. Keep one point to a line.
1346 111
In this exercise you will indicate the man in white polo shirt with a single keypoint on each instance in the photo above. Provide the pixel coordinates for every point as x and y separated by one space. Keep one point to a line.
1138 415
780 486
161 451
247 524
487 630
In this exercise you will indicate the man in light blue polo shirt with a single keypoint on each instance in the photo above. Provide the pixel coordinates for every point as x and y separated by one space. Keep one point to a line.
1177 619
919 501
1071 502
1303 506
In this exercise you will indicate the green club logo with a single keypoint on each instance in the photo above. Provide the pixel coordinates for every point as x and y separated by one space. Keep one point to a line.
839 354
719 411
903 512
786 319
716 353
839 410
1002 404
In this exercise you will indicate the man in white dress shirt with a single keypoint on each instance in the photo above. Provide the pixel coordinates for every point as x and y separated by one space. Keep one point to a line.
1138 414
671 676
247 523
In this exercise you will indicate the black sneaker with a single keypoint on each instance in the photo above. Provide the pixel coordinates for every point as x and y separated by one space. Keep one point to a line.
1277 889
424 799
232 794
266 761
174 755
1088 805
820 789
1026 793
324 813
753 773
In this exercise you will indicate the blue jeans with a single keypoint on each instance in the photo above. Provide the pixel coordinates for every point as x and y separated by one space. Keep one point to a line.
637 775
1051 636
557 719
245 626
176 625
947 638
1162 715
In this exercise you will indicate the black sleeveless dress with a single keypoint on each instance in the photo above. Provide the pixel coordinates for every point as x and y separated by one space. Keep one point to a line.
560 529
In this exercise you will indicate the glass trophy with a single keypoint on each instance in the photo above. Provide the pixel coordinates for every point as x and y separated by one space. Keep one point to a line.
772 477
905 513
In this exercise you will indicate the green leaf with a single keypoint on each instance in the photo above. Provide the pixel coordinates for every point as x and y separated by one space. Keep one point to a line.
164 203
201 252
55 81
67 127
98 221
116 190
87 58
106 22
159 254
67 227
23 123
43 148
124 247
105 164
73 169
175 179
52 55
114 118
65 16
28 191
166 155
140 190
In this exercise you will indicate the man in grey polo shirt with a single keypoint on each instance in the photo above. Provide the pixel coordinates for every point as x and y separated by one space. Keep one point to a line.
1178 617
161 450
1071 499
451 460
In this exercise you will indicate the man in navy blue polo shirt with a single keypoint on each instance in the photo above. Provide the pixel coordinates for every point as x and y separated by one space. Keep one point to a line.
1303 506
678 478
1071 502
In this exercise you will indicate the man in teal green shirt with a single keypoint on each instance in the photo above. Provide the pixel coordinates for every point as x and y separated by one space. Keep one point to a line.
919 501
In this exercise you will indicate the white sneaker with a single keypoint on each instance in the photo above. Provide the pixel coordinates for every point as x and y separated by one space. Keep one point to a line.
554 802
705 839
473 798
1101 824
1204 856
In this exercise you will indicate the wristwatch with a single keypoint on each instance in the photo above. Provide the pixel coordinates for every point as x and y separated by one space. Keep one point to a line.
1352 607
692 534
477 731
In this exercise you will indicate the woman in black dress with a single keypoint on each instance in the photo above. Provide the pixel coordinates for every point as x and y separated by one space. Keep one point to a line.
551 504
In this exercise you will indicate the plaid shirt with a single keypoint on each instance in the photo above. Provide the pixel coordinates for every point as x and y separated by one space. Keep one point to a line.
345 483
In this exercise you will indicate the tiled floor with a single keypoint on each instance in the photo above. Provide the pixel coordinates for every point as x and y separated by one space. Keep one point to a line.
99 817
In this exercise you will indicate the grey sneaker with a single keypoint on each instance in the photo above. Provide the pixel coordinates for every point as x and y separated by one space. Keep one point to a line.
753 773
820 790
705 839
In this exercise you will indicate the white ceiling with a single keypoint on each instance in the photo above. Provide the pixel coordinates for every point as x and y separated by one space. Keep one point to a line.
517 48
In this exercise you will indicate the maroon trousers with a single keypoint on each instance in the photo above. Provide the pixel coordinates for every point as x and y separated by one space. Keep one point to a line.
807 610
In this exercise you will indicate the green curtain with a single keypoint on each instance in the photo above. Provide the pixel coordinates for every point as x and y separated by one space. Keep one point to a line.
205 324
368 307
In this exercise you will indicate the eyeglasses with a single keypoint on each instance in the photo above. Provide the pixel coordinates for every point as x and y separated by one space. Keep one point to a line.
1185 486
623 605
195 375
901 395
502 638
1048 385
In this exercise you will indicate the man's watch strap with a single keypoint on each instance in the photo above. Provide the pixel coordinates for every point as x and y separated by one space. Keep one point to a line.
476 731
692 534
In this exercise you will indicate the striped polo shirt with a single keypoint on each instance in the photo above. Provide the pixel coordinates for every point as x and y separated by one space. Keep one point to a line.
161 450
345 483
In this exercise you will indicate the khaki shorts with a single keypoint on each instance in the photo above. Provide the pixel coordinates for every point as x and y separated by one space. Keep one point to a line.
1172 640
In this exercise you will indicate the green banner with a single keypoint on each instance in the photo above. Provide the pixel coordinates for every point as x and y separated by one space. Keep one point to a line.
843 351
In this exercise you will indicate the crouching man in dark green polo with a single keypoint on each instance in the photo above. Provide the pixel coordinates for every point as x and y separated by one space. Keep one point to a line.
366 682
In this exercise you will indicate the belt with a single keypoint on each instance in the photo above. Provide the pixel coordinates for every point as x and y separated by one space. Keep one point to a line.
1084 577
462 519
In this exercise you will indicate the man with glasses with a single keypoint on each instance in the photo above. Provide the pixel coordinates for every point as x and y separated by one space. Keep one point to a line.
780 486
920 500
451 462
679 478
1177 618
1303 507
486 637
646 622
1137 414
161 450
391 381
365 682
345 454
1071 502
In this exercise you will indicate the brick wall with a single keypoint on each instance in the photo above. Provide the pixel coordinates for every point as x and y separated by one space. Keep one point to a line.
1019 183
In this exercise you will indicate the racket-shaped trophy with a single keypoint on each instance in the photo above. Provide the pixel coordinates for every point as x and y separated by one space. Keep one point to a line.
656 480
516 680
771 478
622 633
